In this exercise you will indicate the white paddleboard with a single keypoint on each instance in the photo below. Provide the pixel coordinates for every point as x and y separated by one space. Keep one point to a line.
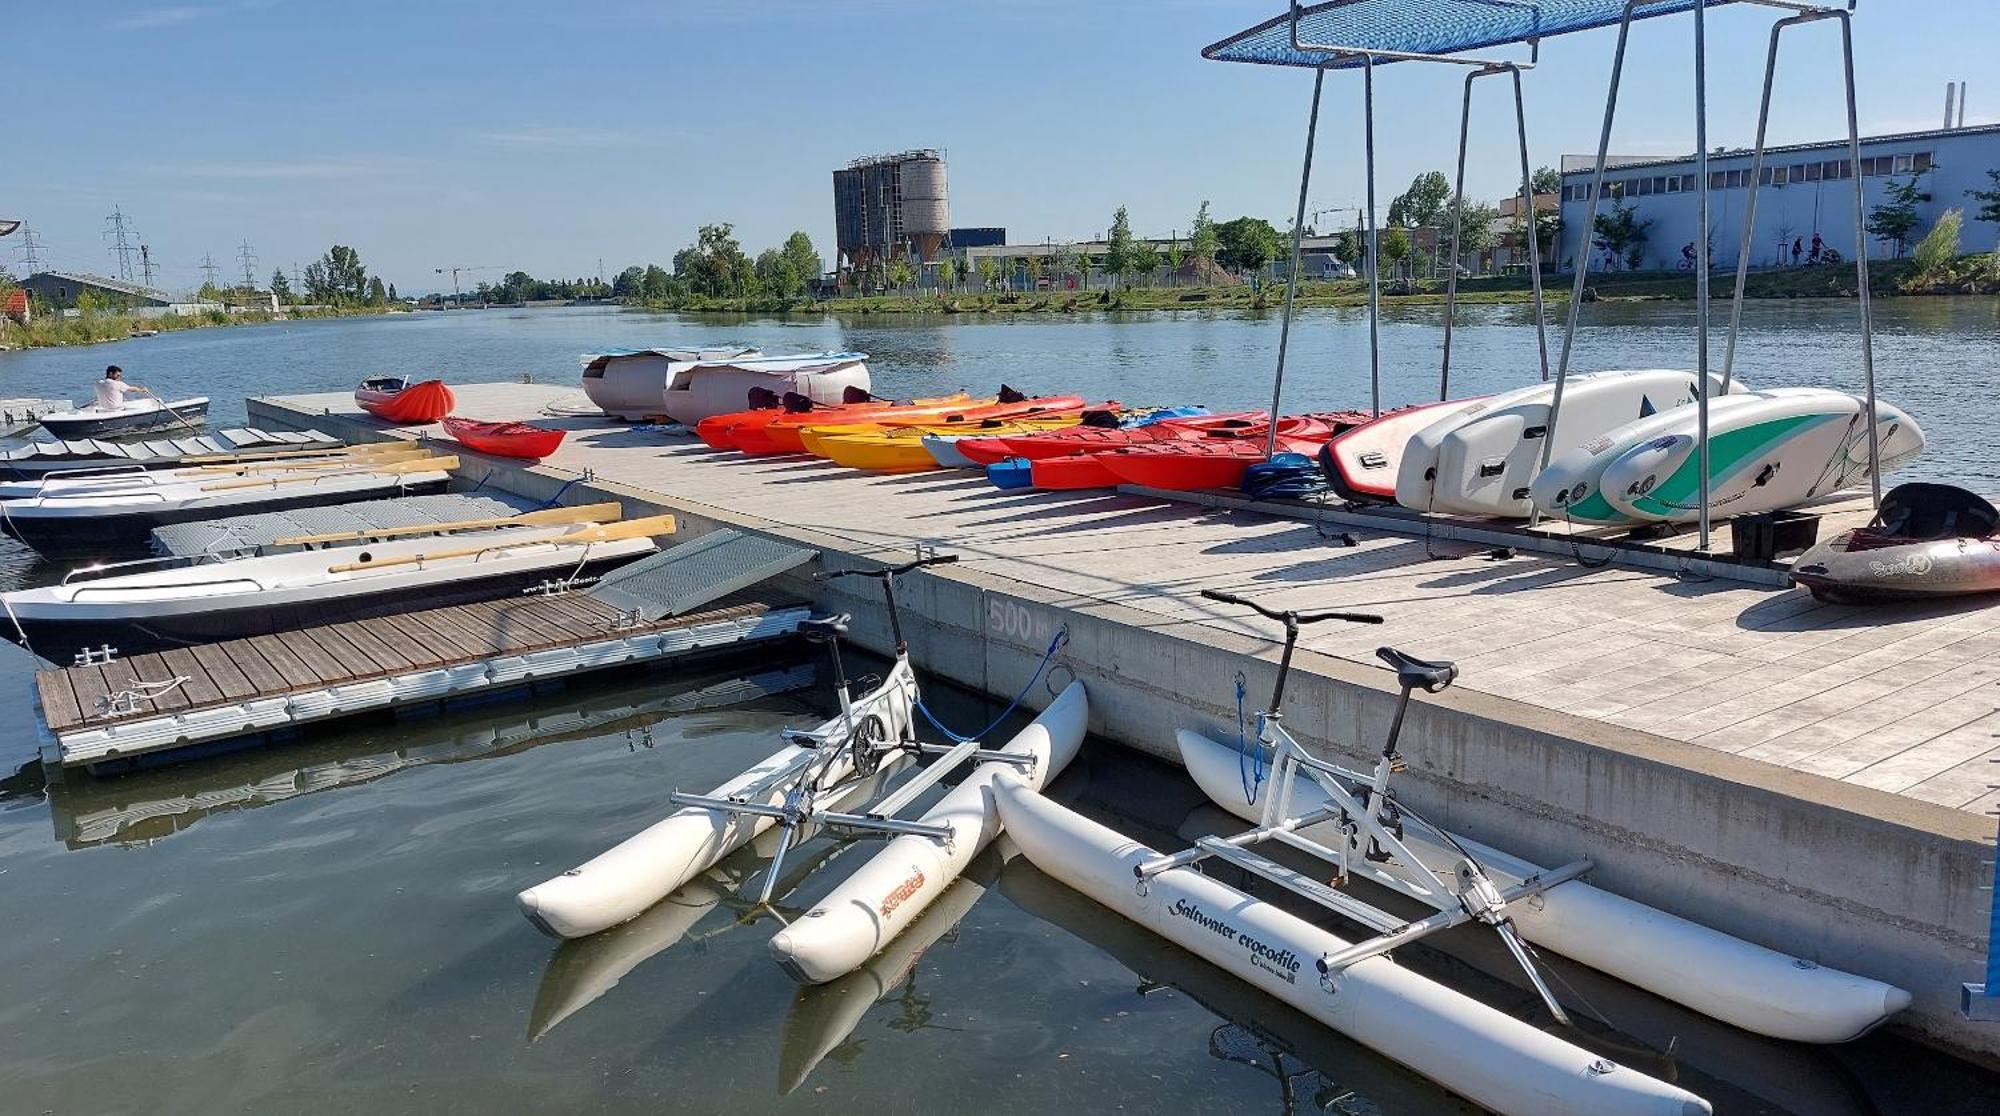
1482 461
1791 446
1367 458
1568 488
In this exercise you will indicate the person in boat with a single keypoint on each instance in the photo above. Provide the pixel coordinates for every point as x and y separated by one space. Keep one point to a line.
113 388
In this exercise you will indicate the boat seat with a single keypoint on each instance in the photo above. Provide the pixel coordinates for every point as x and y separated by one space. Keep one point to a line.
825 629
1413 672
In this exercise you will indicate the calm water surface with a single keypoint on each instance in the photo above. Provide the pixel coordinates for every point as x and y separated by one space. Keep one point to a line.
328 925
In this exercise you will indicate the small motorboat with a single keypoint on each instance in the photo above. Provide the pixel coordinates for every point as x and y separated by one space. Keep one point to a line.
396 399
153 604
82 482
504 439
105 521
138 415
1928 540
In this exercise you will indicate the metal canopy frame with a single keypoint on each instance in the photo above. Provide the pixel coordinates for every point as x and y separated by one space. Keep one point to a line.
1362 34
1801 14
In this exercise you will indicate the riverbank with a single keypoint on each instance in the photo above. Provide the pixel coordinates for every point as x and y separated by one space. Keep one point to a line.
98 328
1970 275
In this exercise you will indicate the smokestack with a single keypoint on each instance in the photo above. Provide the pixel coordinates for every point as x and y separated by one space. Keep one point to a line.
1950 100
1961 104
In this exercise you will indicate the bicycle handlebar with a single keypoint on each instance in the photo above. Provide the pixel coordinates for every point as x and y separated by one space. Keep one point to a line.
1290 617
888 572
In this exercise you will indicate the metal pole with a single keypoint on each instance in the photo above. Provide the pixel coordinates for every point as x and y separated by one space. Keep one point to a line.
1583 244
1292 284
1457 228
1750 206
1534 237
1374 243
1701 257
1861 260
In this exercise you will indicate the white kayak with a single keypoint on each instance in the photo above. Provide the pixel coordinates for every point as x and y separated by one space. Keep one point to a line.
1717 975
1789 447
878 901
1474 1050
622 882
1482 460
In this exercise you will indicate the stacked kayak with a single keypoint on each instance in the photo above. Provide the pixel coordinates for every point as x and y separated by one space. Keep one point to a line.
783 433
915 449
1180 454
766 406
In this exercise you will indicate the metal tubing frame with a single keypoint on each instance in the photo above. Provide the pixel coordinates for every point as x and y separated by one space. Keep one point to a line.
1861 258
1702 231
1292 277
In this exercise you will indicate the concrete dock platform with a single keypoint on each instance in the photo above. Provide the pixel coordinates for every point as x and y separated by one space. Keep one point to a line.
1811 777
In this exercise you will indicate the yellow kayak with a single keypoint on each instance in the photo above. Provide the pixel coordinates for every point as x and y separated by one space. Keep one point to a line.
902 449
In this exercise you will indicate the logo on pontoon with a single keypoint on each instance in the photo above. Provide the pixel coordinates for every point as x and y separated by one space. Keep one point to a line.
1280 963
902 893
1914 565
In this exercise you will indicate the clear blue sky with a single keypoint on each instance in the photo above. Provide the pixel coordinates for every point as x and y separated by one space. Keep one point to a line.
545 136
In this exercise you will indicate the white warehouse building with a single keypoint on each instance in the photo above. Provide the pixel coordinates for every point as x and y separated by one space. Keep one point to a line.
1807 189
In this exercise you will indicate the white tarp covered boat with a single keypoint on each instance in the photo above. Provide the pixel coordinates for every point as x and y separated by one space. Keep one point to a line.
714 387
875 904
626 383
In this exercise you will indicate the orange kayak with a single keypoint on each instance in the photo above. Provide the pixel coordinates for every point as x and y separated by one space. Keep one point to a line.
781 434
398 400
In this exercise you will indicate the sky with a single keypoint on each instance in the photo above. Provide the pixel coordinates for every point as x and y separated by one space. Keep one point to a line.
548 137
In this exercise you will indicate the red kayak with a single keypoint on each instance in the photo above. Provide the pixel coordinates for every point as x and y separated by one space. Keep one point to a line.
1095 439
1211 462
504 439
762 433
396 399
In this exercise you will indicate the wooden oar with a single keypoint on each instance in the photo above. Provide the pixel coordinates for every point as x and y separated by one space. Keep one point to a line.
630 529
549 517
390 468
286 463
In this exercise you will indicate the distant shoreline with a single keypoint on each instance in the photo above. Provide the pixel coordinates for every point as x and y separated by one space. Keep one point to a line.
105 327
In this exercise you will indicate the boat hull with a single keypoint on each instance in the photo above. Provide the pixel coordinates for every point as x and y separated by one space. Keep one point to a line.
1723 977
88 422
416 404
880 900
1367 457
505 439
1916 570
1460 1043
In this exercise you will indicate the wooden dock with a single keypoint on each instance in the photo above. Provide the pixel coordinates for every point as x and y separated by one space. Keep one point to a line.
159 701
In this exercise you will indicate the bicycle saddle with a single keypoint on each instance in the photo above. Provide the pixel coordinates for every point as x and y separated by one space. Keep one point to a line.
1413 672
825 629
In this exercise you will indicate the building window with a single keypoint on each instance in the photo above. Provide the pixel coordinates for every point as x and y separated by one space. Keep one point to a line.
1644 186
1737 179
1812 172
1660 185
1837 169
1716 179
1902 164
1780 175
1673 184
1921 161
1688 182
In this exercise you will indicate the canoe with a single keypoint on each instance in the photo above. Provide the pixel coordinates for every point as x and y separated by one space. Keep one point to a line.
1186 465
781 433
1927 541
1504 1063
1720 976
135 416
1366 458
396 399
882 898
504 439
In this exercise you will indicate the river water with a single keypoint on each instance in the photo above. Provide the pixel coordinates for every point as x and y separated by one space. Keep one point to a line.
327 925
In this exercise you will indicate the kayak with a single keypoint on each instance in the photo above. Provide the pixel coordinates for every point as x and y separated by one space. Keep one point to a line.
396 399
720 431
905 449
1189 464
1094 439
1927 541
781 433
504 439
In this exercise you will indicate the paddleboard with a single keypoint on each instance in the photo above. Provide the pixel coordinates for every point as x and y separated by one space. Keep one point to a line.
1791 446
1482 460
1568 488
1366 460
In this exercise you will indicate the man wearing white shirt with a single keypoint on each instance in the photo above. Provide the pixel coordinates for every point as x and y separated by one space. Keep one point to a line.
112 389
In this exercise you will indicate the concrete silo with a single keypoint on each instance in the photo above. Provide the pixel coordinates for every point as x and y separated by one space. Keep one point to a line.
887 207
926 207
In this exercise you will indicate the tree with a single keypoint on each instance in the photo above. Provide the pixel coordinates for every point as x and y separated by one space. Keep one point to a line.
1546 180
346 281
1895 219
392 293
1248 243
1118 251
1081 262
1203 242
1621 234
1395 245
655 285
1424 204
281 287
1143 260
1475 224
901 274
775 275
804 260
1939 248
1989 200
989 272
628 283
1032 265
378 295
947 273
1176 256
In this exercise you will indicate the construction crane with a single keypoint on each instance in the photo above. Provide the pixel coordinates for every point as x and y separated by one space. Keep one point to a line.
456 298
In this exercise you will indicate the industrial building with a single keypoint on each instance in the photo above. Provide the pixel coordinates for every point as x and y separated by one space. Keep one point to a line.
891 207
60 289
1805 192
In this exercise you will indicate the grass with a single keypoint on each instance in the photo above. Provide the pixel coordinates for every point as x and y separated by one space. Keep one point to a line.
100 326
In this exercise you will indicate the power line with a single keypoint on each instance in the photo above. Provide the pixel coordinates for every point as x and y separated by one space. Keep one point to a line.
122 235
31 249
248 259
146 267
209 268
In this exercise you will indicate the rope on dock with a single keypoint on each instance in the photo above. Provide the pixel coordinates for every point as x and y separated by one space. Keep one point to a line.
1056 645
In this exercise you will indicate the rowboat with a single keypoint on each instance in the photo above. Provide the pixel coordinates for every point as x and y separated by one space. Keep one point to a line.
396 399
504 439
134 416
73 483
105 522
881 899
153 604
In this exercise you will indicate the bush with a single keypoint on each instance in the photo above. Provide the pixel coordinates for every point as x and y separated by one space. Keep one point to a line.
1939 248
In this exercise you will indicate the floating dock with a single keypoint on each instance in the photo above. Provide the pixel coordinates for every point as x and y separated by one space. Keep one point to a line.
1809 777
245 532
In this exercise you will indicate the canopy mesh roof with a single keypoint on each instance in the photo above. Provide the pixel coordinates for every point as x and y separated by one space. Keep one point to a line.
1424 27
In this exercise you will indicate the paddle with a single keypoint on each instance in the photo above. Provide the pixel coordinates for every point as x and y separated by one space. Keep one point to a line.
582 513
390 468
408 449
176 414
285 453
630 529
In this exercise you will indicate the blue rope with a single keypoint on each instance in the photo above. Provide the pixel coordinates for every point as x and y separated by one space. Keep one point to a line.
553 500
1249 759
1055 645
